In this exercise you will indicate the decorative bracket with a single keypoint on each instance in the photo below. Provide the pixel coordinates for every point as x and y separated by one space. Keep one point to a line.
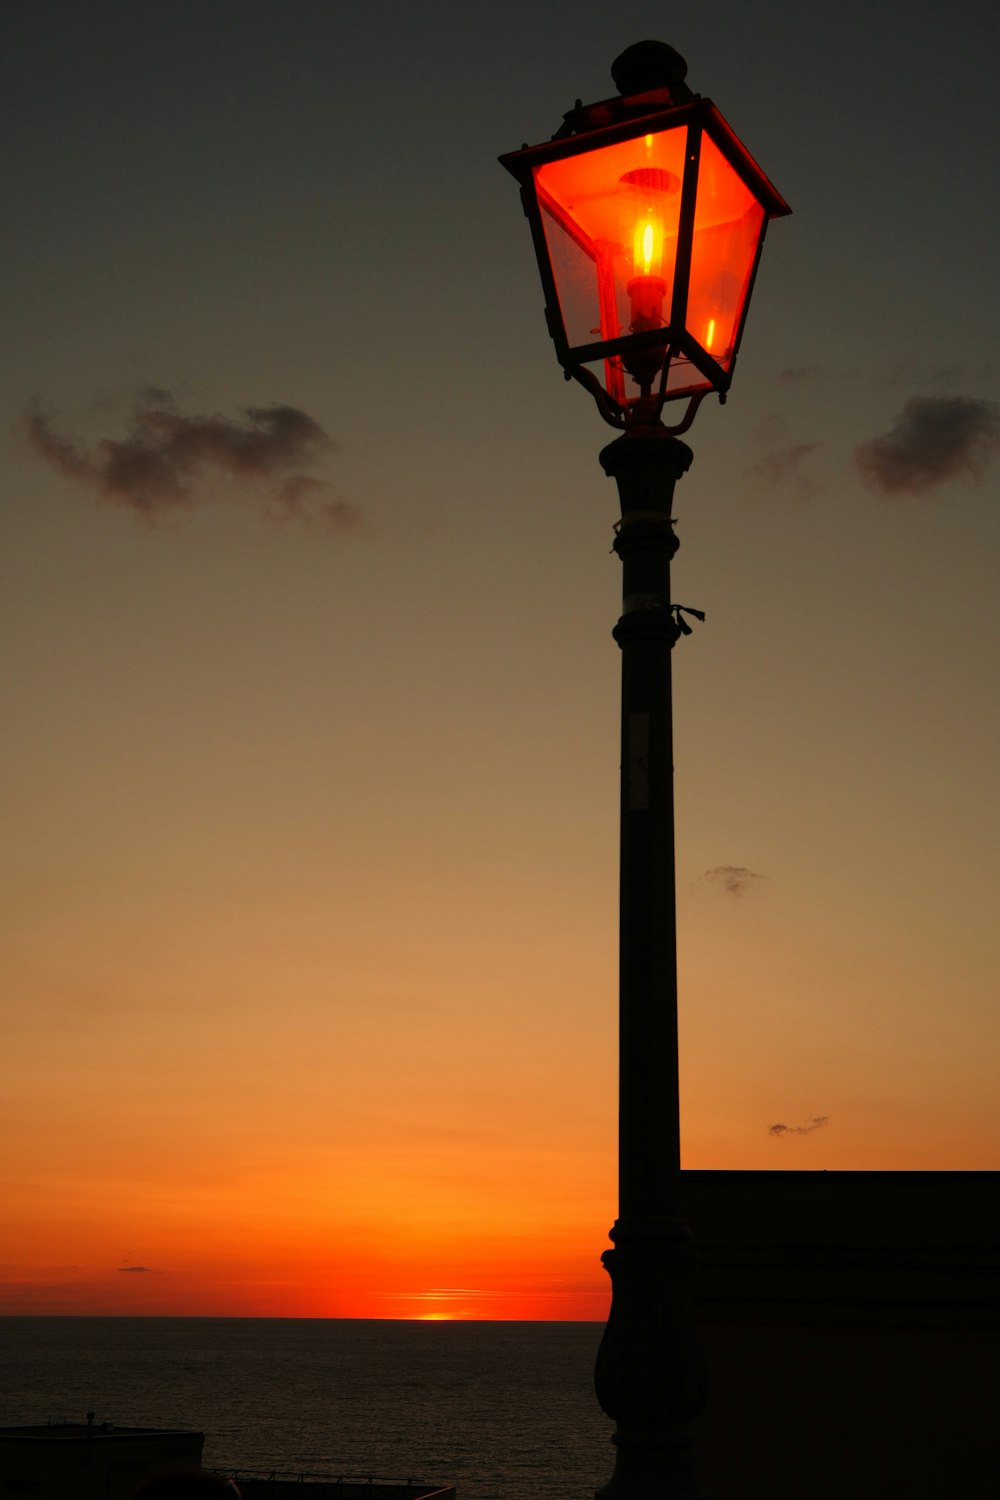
644 411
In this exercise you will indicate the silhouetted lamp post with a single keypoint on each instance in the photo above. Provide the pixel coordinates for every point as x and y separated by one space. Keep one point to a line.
648 218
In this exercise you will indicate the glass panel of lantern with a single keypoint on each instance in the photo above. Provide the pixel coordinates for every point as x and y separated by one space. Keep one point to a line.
728 222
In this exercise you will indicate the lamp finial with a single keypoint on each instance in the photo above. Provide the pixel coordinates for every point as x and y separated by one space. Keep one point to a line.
646 66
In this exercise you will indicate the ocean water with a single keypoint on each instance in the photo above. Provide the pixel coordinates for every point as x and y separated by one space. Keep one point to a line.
505 1411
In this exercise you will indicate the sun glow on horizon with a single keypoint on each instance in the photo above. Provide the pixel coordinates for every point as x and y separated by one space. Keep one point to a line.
449 1304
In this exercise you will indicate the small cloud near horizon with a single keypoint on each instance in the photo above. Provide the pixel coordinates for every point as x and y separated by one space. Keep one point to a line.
816 1123
735 880
933 439
168 460
436 1293
145 1270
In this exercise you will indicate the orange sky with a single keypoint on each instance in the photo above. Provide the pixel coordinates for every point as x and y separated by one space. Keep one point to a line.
308 859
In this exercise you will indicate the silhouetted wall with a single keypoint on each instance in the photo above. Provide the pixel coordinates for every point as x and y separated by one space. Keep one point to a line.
852 1322
74 1461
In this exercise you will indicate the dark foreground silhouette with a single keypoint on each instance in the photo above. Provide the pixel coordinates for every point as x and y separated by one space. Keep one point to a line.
188 1484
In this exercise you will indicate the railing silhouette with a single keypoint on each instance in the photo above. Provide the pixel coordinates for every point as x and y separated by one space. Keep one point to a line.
405 1489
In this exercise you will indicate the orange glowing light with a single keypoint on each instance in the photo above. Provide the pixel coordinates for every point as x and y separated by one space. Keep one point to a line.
620 205
648 246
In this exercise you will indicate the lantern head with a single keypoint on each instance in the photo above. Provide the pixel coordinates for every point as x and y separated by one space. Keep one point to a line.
648 218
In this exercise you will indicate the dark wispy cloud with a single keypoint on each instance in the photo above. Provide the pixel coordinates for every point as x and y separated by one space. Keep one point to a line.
735 880
143 1270
933 439
799 375
782 468
816 1123
900 374
301 498
952 375
167 459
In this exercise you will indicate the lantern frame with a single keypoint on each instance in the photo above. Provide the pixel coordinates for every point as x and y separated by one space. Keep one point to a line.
589 129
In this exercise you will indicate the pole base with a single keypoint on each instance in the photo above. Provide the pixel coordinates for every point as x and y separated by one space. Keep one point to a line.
651 1374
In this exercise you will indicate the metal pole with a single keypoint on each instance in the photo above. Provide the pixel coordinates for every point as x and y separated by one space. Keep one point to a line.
650 1375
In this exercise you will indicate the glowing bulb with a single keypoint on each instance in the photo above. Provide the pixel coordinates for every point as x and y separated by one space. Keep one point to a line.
647 213
710 335
647 289
647 248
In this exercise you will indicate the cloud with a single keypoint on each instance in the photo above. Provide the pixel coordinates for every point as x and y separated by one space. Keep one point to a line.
799 375
435 1293
912 372
298 499
143 1270
167 459
781 468
933 439
907 373
734 879
816 1123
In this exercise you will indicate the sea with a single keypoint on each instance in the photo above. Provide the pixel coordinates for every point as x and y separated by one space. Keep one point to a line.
504 1411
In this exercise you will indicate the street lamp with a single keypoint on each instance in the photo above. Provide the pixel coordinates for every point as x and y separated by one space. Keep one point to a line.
648 218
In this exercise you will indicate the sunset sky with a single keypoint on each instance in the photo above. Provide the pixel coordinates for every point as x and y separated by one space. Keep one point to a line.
309 761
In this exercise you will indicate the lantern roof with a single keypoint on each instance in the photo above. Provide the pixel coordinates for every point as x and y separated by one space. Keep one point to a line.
652 118
652 96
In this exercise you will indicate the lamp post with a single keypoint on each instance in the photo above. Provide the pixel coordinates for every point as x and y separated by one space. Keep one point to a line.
648 218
